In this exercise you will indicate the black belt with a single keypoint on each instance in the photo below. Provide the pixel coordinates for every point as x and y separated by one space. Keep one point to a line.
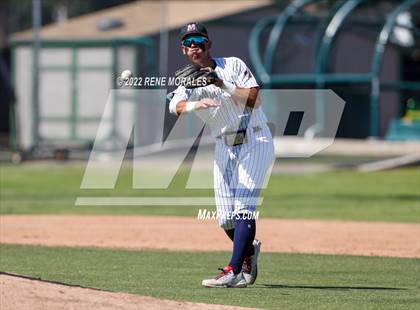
234 138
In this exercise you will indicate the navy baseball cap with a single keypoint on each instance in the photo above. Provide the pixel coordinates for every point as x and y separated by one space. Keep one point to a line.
193 28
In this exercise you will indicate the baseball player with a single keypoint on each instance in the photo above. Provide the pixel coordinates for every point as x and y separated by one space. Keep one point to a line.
244 150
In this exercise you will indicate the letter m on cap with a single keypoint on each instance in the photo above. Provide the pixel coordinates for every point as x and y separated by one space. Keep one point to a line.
191 27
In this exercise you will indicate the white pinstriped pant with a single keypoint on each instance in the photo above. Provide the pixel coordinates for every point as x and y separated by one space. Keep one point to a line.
239 174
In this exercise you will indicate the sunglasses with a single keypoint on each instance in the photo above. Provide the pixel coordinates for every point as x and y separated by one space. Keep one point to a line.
194 40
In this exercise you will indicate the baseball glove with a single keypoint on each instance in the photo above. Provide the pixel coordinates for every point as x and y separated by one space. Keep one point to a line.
193 76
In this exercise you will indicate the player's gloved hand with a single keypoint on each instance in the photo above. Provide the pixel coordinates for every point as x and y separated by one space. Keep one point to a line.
212 76
226 86
193 76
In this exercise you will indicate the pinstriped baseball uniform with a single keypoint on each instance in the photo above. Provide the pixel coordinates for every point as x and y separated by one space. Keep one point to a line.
239 171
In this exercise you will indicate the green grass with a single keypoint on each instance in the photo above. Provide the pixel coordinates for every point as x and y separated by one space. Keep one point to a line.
286 281
346 195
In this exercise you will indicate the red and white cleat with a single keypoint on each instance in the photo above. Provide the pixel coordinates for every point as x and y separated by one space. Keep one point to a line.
226 278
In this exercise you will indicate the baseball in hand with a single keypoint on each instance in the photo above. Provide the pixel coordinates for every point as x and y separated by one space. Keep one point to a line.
126 74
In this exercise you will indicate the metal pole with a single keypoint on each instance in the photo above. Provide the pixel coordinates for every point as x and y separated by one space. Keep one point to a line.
163 38
36 46
339 14
278 29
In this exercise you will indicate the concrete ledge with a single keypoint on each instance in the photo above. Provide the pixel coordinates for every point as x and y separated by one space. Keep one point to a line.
300 147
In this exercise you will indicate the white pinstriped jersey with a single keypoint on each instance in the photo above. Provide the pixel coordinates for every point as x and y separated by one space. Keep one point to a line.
239 171
227 116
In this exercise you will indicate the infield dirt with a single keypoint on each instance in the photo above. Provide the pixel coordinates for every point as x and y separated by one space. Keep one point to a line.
20 293
190 234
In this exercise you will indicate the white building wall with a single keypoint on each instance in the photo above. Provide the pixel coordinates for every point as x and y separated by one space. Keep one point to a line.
89 87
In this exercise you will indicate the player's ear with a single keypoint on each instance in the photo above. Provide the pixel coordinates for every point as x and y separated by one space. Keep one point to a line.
184 50
209 44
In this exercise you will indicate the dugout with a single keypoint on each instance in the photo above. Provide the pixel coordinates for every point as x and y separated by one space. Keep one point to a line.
368 52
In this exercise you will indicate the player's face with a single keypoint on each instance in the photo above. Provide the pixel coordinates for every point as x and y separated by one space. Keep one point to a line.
196 48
